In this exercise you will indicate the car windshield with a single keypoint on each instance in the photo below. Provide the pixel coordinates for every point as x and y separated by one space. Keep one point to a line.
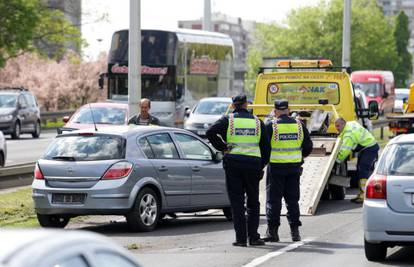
398 159
211 108
86 148
370 89
8 101
101 115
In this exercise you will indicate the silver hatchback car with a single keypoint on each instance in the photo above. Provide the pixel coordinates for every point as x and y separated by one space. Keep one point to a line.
142 172
388 211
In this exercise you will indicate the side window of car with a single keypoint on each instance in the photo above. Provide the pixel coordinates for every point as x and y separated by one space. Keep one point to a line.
146 148
193 148
22 102
30 100
162 146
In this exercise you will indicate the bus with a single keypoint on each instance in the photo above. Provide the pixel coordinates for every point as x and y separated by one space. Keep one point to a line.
178 68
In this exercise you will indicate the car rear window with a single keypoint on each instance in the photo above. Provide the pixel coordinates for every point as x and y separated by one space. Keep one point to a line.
101 115
398 159
86 148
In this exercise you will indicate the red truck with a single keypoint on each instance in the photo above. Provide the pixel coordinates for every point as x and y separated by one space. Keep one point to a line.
377 85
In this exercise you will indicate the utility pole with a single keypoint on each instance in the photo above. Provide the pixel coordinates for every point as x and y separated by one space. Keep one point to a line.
346 35
134 56
207 16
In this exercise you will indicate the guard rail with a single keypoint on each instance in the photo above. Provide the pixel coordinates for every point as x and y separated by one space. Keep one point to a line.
16 175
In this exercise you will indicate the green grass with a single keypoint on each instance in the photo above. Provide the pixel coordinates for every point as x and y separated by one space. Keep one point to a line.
53 124
377 135
16 209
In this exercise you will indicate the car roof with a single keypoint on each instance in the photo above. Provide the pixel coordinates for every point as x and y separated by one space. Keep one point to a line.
403 138
126 130
107 104
220 99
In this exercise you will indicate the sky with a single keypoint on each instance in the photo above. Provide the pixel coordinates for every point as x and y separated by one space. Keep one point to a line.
161 14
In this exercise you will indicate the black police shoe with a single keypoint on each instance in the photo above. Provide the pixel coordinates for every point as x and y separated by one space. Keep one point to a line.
239 244
271 234
294 232
256 242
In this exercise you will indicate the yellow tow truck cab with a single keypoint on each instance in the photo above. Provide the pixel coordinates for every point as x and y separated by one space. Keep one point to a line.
318 94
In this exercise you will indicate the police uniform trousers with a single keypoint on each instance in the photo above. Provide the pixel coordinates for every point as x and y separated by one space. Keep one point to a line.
366 160
243 184
283 183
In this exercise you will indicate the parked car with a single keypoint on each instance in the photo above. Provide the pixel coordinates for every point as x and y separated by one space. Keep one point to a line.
141 172
103 114
3 150
205 113
19 112
388 212
51 248
401 97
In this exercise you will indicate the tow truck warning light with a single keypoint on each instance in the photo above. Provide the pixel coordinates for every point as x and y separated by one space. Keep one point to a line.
304 63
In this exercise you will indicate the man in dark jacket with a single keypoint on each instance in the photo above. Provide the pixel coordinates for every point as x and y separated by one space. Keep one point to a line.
242 138
290 143
144 117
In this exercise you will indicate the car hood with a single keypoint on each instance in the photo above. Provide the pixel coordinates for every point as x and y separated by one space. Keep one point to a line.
6 111
202 118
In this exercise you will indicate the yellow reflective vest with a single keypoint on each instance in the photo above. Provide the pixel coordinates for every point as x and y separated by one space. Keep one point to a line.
353 135
243 136
286 142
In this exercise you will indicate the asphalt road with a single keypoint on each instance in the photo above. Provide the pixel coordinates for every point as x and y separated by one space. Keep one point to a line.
27 149
333 237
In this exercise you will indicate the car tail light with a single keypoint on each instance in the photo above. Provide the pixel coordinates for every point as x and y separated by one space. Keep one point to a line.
118 170
377 187
38 173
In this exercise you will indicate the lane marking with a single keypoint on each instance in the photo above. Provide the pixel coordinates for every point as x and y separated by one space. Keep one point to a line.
262 259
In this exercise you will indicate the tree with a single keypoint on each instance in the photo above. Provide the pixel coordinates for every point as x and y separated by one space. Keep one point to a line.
404 67
28 25
316 32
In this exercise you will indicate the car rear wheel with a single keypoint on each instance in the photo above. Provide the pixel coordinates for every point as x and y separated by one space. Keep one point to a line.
16 130
146 211
228 214
2 161
375 252
337 192
53 221
37 130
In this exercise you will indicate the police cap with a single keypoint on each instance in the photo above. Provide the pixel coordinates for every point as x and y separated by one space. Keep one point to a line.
281 104
239 99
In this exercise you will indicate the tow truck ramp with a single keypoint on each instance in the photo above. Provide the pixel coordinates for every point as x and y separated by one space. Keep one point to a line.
316 172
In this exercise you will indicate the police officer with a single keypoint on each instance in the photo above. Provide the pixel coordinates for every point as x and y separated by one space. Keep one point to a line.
290 142
242 138
356 138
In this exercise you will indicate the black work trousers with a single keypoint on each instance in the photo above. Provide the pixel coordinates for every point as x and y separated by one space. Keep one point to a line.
243 184
283 183
366 160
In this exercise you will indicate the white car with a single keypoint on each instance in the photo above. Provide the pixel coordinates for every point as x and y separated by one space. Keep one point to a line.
401 96
388 211
205 113
51 248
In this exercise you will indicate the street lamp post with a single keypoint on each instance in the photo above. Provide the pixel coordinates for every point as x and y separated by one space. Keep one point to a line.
134 56
346 35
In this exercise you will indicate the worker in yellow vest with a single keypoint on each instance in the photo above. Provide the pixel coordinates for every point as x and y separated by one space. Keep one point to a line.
242 138
290 143
356 138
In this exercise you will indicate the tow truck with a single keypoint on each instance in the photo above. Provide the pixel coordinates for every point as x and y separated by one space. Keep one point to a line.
402 123
318 94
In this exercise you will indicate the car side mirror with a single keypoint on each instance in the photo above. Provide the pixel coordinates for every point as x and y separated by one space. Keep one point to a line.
373 110
187 112
65 119
218 156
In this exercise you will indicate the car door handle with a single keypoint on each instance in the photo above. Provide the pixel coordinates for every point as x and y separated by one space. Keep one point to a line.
196 169
163 169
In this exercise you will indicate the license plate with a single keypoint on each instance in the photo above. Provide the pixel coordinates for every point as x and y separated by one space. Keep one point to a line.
201 132
68 198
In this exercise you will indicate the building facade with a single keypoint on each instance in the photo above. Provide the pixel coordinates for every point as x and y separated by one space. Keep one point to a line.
240 32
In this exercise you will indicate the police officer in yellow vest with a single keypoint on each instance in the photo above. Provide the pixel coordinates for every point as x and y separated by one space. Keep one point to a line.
242 138
356 138
290 143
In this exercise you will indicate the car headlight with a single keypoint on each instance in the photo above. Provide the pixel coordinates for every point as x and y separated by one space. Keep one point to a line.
6 117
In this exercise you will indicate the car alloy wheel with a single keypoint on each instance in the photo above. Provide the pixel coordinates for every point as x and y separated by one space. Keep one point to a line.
144 215
36 133
16 131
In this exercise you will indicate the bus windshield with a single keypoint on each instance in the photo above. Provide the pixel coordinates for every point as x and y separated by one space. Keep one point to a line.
370 89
